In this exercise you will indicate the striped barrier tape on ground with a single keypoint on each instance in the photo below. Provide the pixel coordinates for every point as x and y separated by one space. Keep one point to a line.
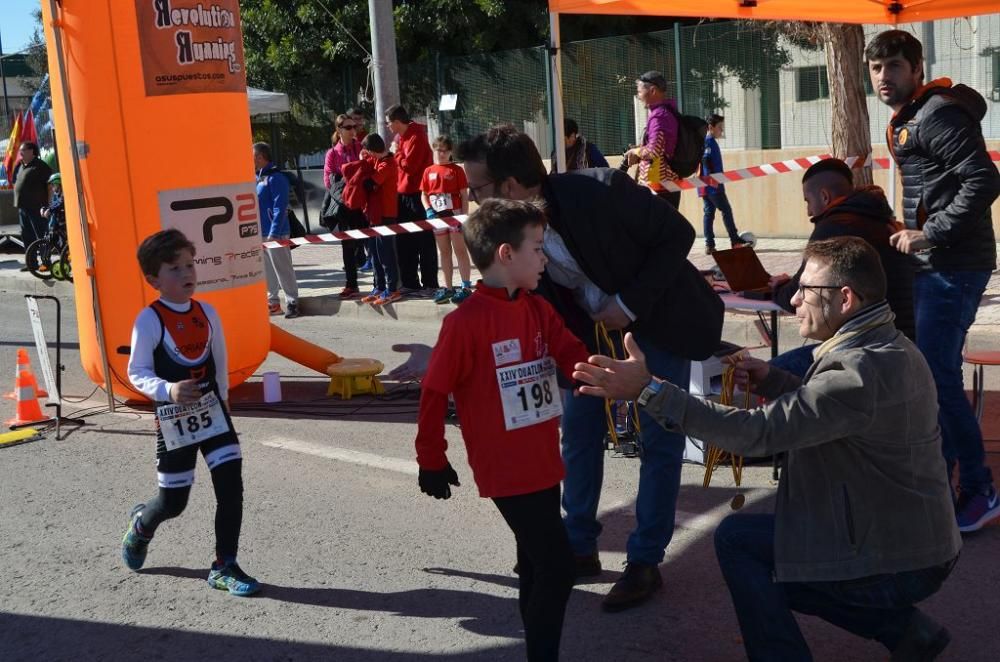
694 181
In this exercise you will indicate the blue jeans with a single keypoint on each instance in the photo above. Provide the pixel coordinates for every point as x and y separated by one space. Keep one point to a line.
711 202
878 607
944 305
383 256
796 361
584 427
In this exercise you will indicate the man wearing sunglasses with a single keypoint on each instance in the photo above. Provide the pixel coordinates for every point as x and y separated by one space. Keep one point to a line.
864 526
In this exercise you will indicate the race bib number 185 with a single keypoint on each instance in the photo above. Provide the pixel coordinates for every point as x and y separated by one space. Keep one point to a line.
183 425
529 393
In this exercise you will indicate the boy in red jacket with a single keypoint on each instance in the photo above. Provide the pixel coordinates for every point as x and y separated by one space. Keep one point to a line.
381 210
498 354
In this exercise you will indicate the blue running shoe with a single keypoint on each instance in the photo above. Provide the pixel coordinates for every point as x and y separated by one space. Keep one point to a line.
367 266
444 295
975 509
134 545
230 577
461 295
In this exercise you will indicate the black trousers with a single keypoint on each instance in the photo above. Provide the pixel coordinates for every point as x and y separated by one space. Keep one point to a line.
416 252
546 564
353 250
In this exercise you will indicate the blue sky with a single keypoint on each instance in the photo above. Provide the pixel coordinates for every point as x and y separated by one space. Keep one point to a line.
16 23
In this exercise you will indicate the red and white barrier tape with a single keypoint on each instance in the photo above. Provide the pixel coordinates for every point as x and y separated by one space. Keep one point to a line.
779 167
376 231
694 181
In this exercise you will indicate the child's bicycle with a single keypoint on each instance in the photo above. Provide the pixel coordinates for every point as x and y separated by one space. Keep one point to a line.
49 257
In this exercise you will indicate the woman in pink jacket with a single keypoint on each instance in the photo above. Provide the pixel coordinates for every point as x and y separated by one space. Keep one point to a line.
346 148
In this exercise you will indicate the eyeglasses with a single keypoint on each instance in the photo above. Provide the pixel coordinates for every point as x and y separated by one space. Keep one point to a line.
803 288
474 190
348 127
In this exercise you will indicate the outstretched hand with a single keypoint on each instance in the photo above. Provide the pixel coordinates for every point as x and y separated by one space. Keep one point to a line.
613 379
415 366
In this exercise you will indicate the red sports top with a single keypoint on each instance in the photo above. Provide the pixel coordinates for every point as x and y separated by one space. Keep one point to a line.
444 179
491 330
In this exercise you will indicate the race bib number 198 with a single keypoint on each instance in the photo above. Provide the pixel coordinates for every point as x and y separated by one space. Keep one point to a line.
529 393
183 425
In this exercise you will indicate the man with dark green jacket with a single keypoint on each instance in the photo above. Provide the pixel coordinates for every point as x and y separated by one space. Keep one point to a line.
864 525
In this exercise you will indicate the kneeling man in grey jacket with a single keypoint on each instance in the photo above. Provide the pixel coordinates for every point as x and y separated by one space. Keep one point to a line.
864 524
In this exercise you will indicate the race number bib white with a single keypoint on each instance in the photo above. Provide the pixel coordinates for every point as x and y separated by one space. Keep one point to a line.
529 393
441 201
183 425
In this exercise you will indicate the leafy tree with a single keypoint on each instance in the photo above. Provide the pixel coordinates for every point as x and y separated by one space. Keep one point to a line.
316 51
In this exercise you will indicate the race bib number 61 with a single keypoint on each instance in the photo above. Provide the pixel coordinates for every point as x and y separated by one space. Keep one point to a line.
529 393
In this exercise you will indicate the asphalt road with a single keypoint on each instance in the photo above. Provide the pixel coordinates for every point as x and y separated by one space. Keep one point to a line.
356 563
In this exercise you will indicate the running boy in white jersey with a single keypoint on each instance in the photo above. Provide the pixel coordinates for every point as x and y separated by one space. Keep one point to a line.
178 360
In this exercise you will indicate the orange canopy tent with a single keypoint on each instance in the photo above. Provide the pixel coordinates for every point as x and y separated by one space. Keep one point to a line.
842 11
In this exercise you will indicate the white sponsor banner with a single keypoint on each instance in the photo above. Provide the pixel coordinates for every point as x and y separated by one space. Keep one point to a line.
222 222
43 350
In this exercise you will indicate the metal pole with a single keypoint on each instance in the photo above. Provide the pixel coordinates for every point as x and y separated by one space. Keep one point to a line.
555 72
300 192
383 63
75 152
3 77
677 66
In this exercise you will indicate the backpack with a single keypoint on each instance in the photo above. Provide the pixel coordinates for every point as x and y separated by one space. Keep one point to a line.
690 143
355 194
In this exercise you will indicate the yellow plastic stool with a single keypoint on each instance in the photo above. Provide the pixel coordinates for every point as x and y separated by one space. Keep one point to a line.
352 377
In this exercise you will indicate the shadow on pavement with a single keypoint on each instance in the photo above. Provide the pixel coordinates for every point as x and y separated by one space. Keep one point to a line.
479 613
46 638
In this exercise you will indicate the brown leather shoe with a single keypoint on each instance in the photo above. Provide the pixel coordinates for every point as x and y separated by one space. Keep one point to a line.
637 584
923 640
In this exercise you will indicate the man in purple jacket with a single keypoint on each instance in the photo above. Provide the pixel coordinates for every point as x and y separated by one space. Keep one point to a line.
659 140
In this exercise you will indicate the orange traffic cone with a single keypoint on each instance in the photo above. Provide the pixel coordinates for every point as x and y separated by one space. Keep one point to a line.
28 409
24 368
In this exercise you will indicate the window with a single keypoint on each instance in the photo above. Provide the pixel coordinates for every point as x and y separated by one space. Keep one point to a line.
995 93
811 84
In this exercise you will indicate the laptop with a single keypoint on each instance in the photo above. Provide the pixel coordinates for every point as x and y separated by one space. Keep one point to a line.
744 272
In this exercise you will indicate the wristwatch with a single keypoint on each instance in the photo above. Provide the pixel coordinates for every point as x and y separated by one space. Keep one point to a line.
652 388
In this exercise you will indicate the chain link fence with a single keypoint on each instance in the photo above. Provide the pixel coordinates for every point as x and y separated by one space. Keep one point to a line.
773 93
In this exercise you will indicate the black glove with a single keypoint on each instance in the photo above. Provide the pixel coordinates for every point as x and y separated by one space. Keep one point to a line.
369 185
436 483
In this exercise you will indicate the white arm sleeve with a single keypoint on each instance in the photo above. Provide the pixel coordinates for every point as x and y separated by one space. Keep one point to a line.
145 335
218 350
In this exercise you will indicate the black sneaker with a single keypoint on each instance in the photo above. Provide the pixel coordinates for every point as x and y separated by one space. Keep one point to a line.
293 311
637 584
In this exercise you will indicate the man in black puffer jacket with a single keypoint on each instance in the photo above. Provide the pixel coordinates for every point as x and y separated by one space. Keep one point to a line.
838 210
949 184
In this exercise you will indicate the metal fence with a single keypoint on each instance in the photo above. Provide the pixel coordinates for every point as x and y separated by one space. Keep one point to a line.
774 94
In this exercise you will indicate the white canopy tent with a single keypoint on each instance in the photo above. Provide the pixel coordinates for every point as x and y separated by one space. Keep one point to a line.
263 102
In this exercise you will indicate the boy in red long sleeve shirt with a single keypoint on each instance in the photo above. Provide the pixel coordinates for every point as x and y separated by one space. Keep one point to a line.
498 354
